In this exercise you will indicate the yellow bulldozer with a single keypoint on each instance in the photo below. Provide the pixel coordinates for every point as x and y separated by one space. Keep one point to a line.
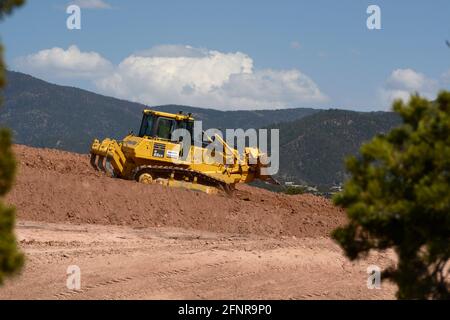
154 156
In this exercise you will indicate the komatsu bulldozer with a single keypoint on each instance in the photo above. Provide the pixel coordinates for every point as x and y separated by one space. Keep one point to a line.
153 156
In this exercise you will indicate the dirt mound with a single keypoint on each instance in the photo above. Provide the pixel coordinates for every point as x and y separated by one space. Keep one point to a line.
57 186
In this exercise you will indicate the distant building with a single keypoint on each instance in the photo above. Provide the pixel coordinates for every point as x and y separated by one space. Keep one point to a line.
311 189
335 189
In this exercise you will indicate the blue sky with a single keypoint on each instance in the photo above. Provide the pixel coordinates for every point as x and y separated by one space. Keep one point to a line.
237 54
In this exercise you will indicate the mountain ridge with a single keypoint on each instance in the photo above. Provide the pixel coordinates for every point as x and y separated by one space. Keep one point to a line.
313 143
36 110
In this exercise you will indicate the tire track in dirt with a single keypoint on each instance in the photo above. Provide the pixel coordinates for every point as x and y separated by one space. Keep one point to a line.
186 268
143 277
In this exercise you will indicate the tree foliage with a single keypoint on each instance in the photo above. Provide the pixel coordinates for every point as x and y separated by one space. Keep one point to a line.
294 190
11 260
398 196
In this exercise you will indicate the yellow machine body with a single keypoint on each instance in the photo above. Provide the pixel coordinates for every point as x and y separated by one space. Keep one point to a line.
152 157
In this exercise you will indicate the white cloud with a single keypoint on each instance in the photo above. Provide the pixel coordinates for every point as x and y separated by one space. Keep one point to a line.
270 88
207 78
60 63
92 4
403 82
175 74
407 79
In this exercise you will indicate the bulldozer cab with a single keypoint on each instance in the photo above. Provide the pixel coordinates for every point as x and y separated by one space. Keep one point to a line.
160 125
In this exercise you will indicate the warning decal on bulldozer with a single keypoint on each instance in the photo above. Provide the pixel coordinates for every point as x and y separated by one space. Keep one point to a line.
158 150
172 154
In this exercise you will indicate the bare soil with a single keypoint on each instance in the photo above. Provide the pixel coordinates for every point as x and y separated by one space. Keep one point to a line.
135 241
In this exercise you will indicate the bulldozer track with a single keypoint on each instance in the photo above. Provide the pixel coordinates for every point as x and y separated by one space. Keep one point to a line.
100 163
187 172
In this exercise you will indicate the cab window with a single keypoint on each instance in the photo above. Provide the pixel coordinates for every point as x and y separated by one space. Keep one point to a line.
147 125
165 128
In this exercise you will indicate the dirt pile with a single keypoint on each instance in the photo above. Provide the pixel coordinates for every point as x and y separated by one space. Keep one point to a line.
57 186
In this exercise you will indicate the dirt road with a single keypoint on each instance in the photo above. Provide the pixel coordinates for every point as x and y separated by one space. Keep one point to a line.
120 262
